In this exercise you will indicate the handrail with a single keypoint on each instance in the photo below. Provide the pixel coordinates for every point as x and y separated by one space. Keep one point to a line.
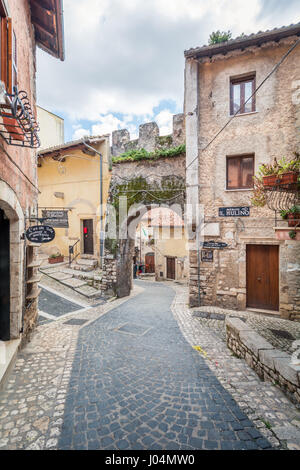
72 248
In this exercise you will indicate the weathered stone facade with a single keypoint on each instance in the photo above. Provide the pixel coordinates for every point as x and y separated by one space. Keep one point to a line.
18 185
271 131
151 176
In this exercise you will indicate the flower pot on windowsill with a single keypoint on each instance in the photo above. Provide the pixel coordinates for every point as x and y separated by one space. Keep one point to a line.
57 259
284 233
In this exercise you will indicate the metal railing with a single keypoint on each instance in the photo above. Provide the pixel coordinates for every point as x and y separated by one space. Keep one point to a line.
74 251
18 125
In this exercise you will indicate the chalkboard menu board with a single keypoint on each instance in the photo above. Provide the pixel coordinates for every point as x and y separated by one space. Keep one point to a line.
40 234
56 218
234 211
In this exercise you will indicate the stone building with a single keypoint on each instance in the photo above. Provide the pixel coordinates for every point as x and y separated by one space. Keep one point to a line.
26 24
228 136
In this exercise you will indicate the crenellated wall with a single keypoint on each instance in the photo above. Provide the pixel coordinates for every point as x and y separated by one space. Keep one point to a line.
149 138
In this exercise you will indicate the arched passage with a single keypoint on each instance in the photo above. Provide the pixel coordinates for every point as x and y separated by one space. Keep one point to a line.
136 188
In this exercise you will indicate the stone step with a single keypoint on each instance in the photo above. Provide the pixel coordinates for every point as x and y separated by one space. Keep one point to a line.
81 268
87 262
88 291
90 276
73 282
59 276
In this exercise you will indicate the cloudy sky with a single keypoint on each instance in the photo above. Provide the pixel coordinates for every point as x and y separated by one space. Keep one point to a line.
124 58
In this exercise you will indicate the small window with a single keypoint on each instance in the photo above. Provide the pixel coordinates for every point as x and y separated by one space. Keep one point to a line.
240 172
241 90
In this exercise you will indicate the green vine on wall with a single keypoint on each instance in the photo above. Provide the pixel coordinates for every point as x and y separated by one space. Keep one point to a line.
139 191
142 154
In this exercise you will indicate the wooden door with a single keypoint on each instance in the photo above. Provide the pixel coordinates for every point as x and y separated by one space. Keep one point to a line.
262 272
88 237
171 268
4 279
150 263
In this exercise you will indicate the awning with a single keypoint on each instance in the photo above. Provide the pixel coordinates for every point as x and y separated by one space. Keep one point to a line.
47 18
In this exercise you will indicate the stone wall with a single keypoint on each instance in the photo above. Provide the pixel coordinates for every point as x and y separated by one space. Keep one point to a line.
269 363
149 138
118 268
271 131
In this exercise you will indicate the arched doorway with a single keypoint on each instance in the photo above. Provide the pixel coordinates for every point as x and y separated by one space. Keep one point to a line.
4 278
11 264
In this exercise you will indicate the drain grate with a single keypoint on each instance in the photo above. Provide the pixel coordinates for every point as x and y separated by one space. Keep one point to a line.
75 321
133 329
282 334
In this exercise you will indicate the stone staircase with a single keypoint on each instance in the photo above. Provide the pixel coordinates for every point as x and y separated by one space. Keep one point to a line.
82 276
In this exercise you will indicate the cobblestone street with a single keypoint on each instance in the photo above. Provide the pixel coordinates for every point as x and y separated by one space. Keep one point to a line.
124 375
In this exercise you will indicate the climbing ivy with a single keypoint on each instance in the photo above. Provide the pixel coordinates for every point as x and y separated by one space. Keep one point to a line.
142 154
139 191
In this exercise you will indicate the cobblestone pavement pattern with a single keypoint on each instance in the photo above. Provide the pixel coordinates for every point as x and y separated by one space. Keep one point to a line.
129 379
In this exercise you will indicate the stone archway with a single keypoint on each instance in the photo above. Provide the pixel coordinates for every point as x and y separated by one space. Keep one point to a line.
137 187
13 211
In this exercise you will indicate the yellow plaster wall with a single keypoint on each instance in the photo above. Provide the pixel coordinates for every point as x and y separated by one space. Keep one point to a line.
78 178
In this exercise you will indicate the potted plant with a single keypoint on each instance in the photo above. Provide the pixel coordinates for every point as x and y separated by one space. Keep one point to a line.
56 258
280 173
292 215
268 173
288 171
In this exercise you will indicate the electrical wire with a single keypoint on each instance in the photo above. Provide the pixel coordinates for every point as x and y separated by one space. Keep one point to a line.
253 94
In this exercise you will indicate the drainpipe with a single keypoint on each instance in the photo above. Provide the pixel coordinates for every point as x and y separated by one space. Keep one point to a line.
101 198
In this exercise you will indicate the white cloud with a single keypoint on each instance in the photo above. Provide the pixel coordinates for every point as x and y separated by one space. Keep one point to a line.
126 57
79 133
164 121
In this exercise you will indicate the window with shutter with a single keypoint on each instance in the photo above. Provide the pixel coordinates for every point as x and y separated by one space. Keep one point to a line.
8 55
240 172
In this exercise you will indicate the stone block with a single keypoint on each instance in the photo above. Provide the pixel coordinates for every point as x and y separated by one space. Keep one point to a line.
288 371
254 342
236 325
267 357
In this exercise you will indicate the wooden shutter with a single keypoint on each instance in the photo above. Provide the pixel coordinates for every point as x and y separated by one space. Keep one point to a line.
4 51
9 56
7 53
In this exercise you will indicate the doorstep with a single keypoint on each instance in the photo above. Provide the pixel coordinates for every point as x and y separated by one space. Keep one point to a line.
274 313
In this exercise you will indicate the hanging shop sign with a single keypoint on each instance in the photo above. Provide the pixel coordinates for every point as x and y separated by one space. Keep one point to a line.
234 211
212 245
40 234
207 256
56 218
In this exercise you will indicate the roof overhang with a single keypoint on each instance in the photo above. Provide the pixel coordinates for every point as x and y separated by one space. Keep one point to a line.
74 145
47 19
243 42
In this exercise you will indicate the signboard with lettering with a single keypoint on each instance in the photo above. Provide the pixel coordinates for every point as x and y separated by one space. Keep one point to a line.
234 211
207 256
56 218
40 234
214 245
